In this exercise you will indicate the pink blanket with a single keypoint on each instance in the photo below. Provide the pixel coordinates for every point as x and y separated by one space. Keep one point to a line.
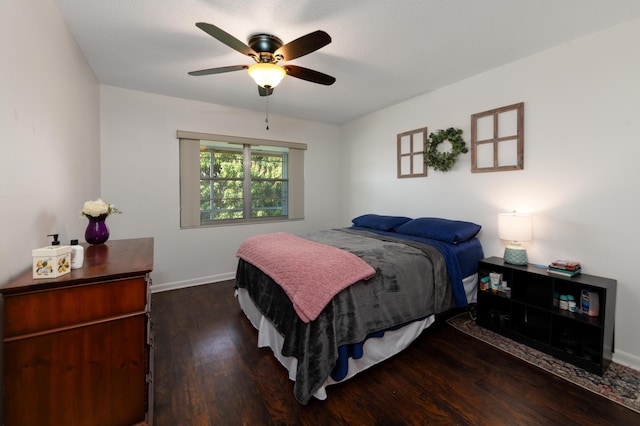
310 273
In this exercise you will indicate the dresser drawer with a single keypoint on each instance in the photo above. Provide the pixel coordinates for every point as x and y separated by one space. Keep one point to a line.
92 375
62 307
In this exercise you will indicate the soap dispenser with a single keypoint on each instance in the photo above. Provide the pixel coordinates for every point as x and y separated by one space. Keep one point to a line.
55 241
51 261
77 255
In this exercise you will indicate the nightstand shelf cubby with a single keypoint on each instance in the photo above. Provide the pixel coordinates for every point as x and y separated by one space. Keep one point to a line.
530 313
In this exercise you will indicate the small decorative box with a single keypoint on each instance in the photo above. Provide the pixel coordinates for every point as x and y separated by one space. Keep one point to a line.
51 261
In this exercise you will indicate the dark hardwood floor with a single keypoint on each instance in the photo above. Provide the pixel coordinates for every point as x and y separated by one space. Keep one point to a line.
209 371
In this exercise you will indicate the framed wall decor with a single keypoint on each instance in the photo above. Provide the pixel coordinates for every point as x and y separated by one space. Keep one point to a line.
411 146
497 139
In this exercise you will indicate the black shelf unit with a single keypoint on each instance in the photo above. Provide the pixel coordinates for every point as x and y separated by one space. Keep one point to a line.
528 314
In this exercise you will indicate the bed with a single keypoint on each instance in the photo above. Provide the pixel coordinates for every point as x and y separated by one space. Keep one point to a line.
326 323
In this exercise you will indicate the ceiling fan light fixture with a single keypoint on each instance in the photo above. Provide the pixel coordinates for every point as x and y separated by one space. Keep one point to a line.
266 74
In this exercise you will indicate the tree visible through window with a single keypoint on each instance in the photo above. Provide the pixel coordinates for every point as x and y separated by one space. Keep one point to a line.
229 191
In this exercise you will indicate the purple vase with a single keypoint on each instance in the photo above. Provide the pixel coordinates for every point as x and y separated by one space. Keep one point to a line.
97 231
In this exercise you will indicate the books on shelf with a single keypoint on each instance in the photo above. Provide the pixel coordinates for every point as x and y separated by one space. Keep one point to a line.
567 268
567 265
563 272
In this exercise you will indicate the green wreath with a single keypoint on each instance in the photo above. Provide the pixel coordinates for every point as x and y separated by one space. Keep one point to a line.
443 161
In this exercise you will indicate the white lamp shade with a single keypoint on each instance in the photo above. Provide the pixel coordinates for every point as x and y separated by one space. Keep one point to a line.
515 227
266 74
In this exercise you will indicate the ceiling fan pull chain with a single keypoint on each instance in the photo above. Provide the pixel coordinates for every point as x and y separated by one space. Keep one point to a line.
266 120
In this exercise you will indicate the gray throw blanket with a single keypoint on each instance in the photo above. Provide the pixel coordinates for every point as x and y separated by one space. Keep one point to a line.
411 283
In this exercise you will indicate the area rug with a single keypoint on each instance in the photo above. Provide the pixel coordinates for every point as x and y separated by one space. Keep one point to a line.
619 383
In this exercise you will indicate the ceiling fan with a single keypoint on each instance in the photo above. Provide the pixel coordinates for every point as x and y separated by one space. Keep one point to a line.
267 51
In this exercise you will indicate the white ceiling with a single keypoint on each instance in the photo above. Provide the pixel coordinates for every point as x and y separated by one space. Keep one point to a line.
382 52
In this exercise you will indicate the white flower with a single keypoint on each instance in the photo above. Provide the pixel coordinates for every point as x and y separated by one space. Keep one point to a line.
98 207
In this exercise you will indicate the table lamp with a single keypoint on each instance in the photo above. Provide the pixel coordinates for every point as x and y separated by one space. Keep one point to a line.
515 227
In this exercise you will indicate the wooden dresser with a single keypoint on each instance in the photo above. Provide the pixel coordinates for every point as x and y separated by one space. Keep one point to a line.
77 350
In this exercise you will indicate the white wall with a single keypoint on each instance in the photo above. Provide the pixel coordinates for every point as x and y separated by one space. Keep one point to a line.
582 121
140 175
49 122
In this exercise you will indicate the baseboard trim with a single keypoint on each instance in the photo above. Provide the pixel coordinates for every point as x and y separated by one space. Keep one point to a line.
627 359
157 288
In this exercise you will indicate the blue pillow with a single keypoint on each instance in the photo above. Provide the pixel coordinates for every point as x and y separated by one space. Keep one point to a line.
449 231
379 222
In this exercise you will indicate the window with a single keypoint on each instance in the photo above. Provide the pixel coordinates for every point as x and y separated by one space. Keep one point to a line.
223 193
227 179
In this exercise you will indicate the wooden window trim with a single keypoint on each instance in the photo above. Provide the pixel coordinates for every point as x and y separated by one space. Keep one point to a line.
496 139
417 133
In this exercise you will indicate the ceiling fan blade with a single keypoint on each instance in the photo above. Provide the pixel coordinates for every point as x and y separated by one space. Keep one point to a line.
304 45
309 75
219 70
226 38
265 91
